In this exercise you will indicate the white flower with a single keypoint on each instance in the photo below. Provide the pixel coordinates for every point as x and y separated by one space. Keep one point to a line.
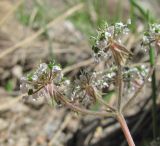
23 87
107 34
56 69
105 84
152 35
67 82
102 44
108 44
35 77
41 69
145 39
110 75
126 30
155 28
58 77
129 21
119 25
110 30
23 79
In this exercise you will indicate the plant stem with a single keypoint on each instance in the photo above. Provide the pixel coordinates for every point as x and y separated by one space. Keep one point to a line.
77 108
125 129
154 110
119 85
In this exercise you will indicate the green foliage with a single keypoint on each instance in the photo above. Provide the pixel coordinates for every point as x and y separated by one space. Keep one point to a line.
37 16
29 77
23 15
145 15
51 64
9 86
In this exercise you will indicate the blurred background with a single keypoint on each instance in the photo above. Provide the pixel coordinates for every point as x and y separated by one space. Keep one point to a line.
35 31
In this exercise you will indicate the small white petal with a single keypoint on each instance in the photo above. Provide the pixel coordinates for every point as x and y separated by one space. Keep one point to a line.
58 78
102 44
24 88
56 69
129 21
34 77
145 39
105 84
67 82
43 67
107 34
126 31
23 79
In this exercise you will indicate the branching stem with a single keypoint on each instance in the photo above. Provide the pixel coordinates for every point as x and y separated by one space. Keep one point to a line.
76 108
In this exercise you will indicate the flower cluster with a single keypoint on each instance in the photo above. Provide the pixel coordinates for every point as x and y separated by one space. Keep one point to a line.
108 43
138 71
90 85
84 90
134 77
152 35
46 81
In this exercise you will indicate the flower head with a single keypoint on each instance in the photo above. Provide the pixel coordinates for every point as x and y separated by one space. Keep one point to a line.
83 90
88 86
46 81
152 35
133 78
108 43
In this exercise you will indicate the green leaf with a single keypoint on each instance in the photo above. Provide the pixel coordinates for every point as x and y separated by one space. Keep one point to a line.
29 77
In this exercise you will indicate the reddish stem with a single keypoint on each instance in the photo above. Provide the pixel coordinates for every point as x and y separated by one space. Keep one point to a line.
125 129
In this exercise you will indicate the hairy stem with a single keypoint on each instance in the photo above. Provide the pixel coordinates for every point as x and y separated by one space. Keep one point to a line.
125 129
